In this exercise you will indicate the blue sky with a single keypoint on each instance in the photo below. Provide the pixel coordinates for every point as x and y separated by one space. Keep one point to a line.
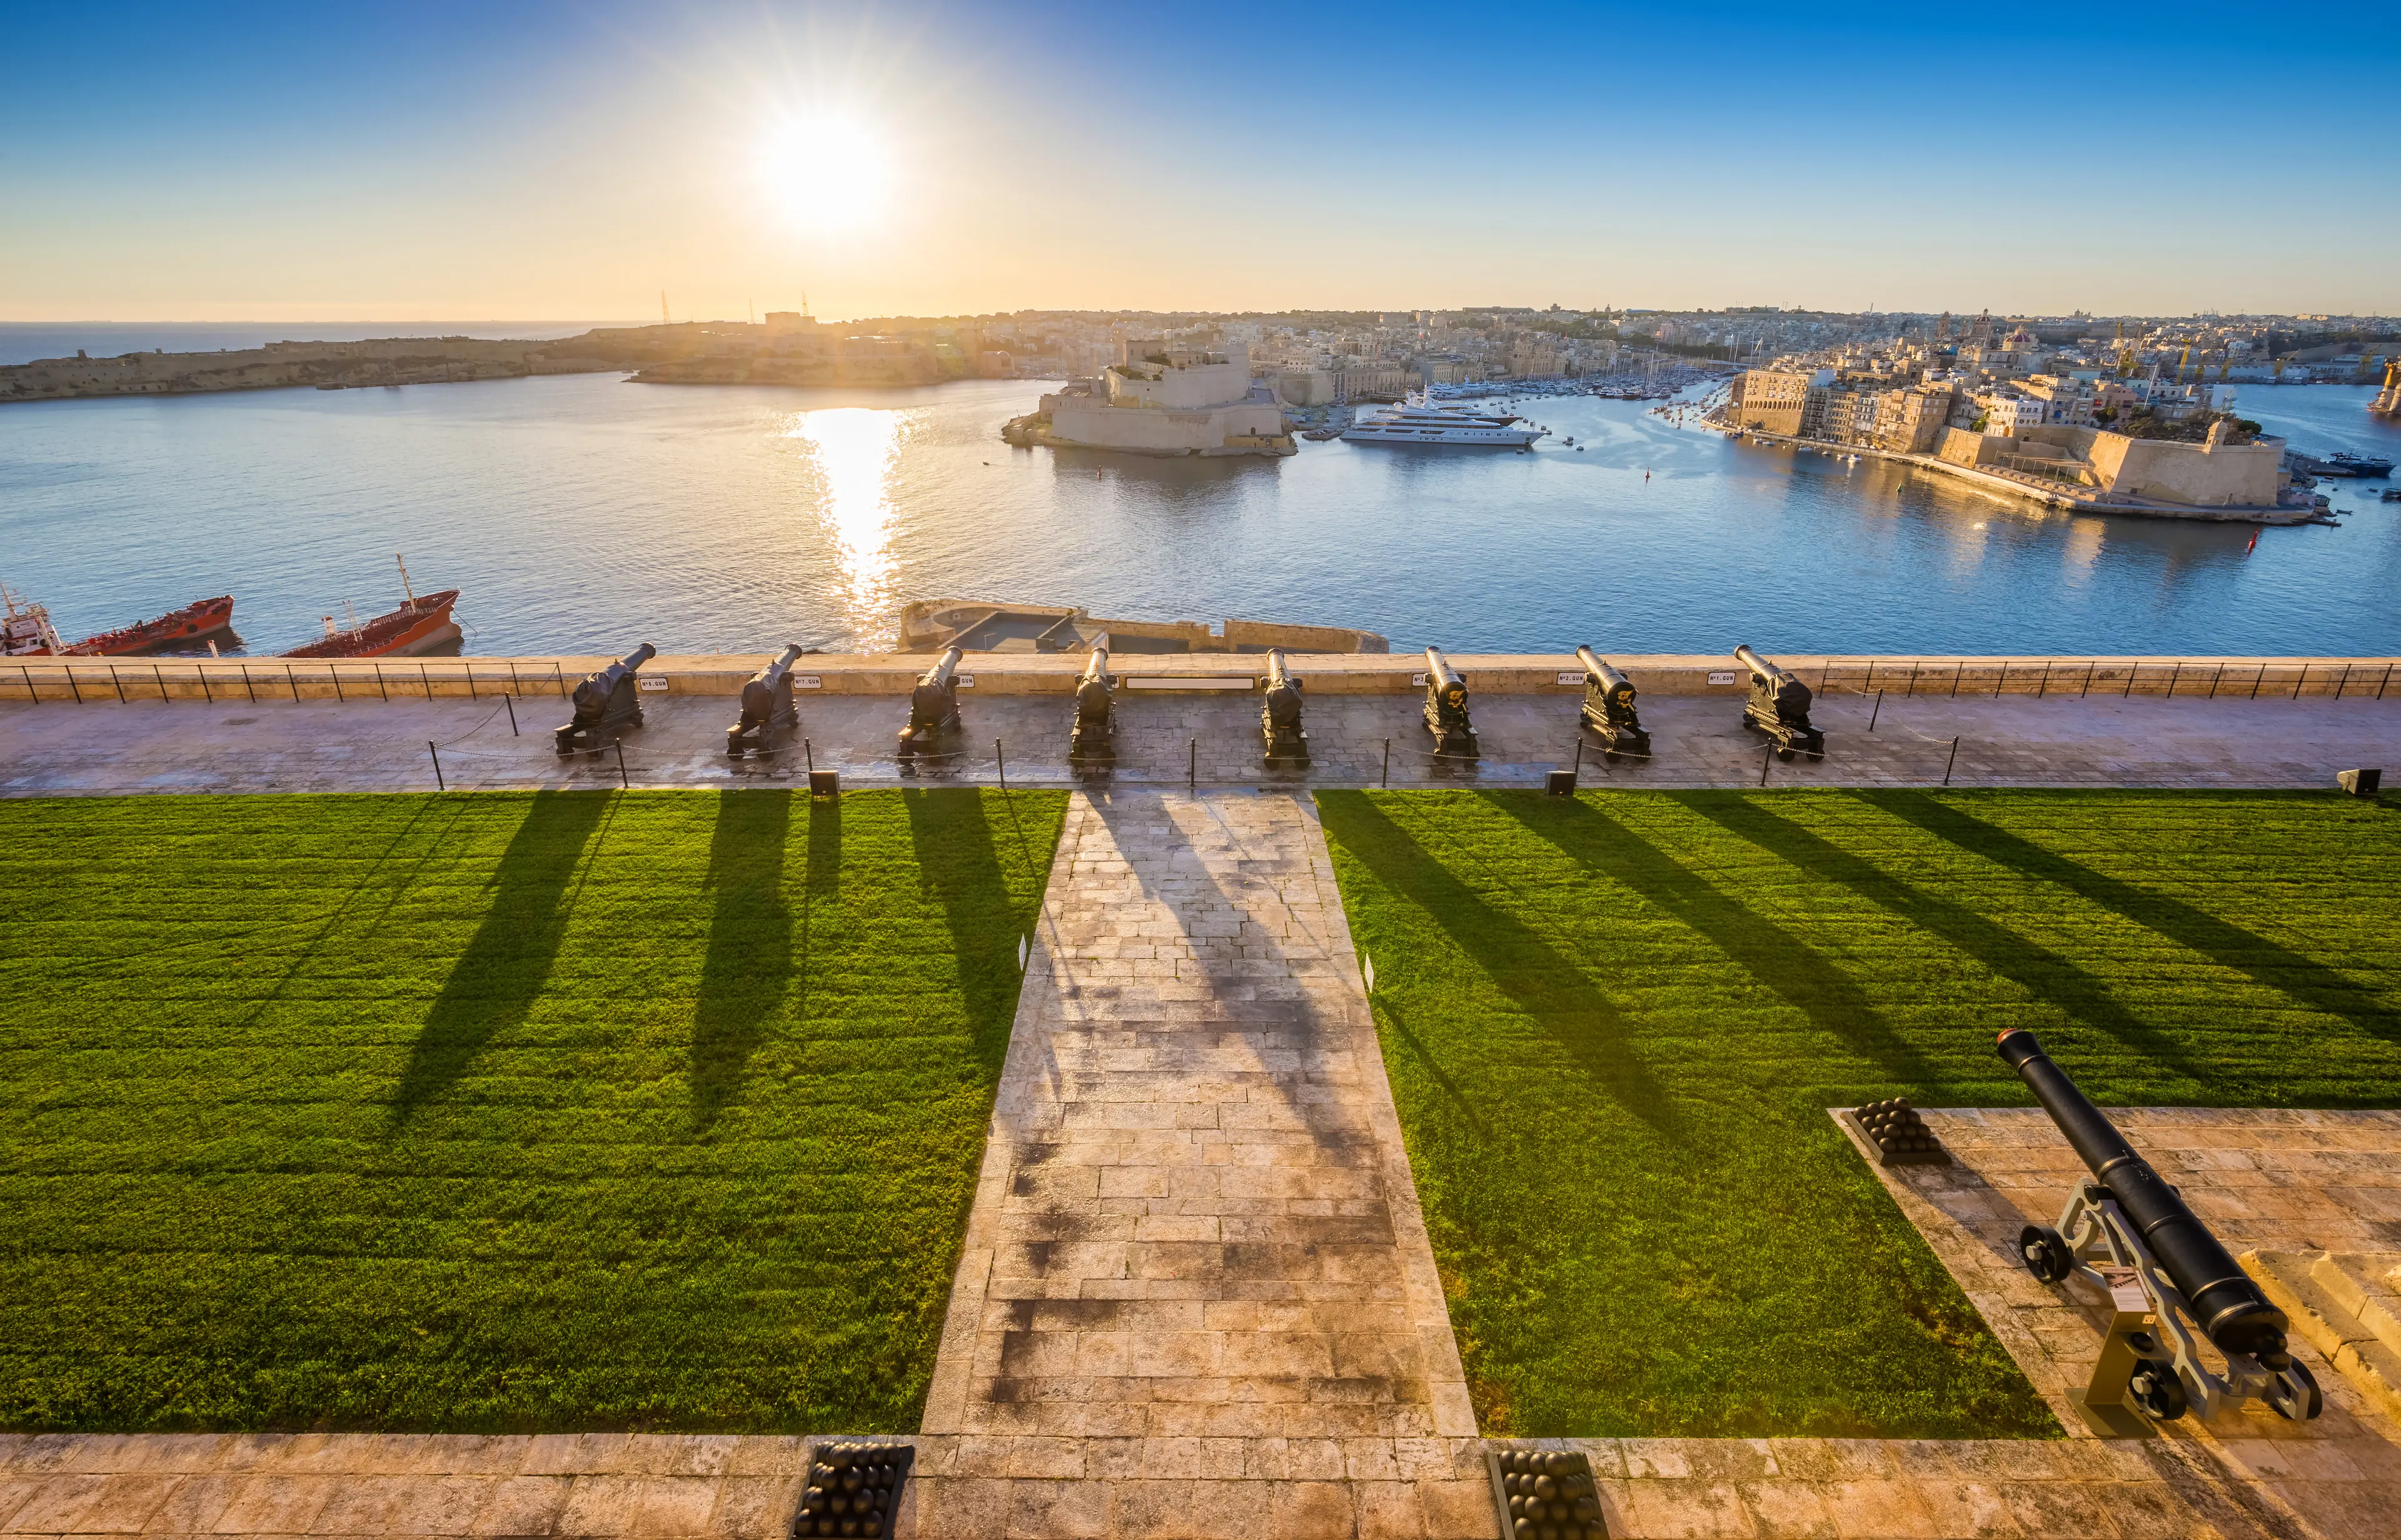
536 161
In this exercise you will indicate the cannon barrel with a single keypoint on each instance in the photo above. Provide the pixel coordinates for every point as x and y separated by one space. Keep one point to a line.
1279 709
1444 686
1760 665
594 691
1614 684
759 693
939 674
1093 697
2225 1302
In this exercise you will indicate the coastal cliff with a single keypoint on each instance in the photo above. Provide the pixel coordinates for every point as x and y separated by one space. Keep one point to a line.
698 353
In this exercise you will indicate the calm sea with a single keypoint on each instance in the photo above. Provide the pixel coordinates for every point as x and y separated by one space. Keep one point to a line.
24 341
587 514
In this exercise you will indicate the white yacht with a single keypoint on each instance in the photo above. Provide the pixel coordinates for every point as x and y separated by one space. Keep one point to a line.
1418 420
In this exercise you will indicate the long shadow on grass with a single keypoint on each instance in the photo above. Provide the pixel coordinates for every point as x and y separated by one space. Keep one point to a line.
749 962
501 974
951 832
1545 983
2033 968
2305 979
821 884
1773 955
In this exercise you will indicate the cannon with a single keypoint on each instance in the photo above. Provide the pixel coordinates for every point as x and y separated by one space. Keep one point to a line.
1092 741
1609 707
933 707
1779 706
1280 730
2127 1230
607 703
768 714
1446 709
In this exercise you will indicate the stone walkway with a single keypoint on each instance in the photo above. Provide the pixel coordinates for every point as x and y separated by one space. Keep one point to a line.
1197 1296
368 744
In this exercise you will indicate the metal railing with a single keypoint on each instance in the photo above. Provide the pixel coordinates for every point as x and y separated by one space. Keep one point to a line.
274 679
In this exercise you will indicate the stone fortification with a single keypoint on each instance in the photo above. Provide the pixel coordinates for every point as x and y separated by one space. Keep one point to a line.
1324 673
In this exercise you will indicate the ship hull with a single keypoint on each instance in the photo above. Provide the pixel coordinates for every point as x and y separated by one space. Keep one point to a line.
420 625
189 626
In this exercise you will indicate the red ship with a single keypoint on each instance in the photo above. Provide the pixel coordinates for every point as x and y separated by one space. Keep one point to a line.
183 628
419 625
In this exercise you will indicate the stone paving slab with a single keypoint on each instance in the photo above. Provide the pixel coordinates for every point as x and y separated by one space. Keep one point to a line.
57 748
1195 1288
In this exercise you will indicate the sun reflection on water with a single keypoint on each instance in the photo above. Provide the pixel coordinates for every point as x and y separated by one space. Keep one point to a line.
855 449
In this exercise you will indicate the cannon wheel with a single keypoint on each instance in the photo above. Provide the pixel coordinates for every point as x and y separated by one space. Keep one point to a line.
2294 1392
2046 1254
2157 1393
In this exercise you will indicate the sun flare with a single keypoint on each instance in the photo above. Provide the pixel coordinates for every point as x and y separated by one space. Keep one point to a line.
827 174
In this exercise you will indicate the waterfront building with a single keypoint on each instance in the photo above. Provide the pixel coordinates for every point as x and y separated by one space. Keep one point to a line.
1162 398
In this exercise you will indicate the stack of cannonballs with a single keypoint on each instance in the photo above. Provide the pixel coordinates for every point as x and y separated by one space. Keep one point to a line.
1546 1494
1900 1135
854 1491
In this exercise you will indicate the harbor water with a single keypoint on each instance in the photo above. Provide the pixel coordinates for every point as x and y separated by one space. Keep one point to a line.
585 513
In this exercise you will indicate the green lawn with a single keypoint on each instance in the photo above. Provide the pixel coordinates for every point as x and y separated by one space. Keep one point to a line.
555 1110
1612 1025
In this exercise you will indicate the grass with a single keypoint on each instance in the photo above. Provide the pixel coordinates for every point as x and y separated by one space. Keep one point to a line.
496 1112
1612 1025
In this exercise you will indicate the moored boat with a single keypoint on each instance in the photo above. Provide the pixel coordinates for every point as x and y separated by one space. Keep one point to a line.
25 630
195 622
419 625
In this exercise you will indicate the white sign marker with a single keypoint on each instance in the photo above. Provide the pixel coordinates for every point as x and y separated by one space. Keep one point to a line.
648 681
1721 677
1566 677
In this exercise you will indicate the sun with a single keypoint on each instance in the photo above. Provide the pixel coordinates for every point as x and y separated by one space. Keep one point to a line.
827 174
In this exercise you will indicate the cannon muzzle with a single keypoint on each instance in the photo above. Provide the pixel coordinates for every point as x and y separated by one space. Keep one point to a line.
2226 1304
939 674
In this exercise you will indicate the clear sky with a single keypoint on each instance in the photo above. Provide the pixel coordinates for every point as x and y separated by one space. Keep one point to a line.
523 160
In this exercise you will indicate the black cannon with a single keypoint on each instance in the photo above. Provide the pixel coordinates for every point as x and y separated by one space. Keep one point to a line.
933 708
2128 1232
1609 707
1446 709
607 704
1092 741
1280 729
1779 706
768 715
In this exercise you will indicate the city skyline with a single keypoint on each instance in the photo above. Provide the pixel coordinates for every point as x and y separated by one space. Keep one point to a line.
271 163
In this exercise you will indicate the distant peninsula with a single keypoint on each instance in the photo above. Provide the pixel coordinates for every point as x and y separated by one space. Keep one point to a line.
787 350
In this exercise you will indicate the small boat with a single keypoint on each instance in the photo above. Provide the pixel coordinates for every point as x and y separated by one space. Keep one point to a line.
25 630
2359 465
419 626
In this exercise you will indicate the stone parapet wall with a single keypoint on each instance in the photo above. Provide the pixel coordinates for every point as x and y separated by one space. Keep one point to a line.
263 680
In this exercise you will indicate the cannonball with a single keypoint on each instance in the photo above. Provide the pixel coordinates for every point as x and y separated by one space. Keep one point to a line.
1516 1505
1560 1463
1545 1488
1587 1508
1528 1530
813 1498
